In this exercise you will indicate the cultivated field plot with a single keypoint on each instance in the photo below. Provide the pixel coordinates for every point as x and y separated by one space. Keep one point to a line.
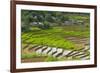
48 36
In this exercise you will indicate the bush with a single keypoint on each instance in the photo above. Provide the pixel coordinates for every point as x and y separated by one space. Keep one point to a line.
45 25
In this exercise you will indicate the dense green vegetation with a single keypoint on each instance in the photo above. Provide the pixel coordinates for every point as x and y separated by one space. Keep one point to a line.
51 28
46 19
55 37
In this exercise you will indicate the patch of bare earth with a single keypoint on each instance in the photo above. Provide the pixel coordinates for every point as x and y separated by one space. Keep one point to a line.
80 42
36 59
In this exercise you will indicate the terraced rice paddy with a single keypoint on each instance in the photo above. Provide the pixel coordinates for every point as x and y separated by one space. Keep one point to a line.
48 36
54 45
43 52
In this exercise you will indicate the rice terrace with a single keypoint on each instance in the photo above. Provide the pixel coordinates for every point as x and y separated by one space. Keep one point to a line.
48 36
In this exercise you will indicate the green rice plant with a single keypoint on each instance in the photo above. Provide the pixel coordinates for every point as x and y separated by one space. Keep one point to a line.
55 37
50 58
51 41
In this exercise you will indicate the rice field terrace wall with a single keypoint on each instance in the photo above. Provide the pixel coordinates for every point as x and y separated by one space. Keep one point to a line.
38 53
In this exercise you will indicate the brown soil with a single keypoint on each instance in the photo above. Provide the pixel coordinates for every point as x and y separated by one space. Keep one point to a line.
36 59
80 42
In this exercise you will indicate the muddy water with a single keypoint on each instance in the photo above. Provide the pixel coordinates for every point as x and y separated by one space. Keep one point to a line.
79 42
